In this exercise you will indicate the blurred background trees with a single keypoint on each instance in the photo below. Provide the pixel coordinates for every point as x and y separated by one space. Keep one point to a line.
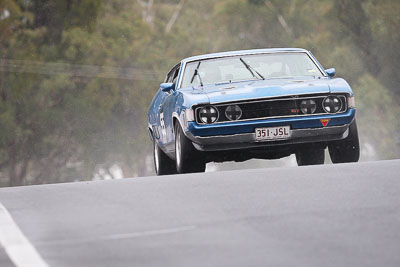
76 77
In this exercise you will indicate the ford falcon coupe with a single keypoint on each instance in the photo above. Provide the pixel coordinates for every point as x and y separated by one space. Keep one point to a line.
263 104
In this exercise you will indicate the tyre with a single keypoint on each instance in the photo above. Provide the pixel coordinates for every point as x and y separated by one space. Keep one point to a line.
162 163
347 150
310 155
188 159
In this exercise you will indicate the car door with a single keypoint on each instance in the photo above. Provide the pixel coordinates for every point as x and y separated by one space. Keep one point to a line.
158 119
154 116
161 108
168 108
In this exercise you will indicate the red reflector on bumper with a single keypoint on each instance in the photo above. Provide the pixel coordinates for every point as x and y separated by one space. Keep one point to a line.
325 121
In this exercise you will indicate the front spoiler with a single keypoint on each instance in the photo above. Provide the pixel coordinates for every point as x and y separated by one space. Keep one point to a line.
248 140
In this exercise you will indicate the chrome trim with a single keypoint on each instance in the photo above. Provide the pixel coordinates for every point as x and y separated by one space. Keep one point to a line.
274 117
314 60
288 97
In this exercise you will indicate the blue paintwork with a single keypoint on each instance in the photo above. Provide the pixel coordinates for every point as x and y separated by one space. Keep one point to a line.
167 87
331 72
172 104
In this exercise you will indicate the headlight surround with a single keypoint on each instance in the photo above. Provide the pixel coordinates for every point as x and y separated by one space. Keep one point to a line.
332 104
351 102
208 114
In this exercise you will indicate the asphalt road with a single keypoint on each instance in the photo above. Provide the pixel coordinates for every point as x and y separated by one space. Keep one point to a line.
332 215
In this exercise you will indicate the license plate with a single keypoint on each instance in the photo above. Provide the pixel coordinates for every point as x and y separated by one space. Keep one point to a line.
273 133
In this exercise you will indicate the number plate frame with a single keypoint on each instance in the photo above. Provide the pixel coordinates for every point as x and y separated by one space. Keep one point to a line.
272 133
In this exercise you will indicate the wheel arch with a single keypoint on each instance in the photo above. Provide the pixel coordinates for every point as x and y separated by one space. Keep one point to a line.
176 121
151 134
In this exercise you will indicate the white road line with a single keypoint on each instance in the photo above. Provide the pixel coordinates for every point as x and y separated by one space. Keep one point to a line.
16 245
120 236
149 233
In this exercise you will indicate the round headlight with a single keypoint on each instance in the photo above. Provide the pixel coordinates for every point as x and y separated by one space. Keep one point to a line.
208 114
332 104
233 112
308 106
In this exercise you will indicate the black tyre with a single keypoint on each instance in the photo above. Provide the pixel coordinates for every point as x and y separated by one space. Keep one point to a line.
162 163
347 150
310 155
188 159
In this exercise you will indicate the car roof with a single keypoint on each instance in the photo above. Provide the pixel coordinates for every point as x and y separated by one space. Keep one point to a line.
242 52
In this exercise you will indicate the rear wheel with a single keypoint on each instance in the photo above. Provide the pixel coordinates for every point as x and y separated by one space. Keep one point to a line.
310 155
347 150
188 159
162 163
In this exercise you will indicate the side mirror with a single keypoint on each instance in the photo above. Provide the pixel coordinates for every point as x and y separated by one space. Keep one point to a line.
167 87
331 72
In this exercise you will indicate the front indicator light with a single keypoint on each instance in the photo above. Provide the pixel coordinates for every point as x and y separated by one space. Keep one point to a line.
332 104
351 102
189 114
208 114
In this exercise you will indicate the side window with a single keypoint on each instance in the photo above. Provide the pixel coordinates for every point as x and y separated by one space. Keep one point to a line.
175 76
169 77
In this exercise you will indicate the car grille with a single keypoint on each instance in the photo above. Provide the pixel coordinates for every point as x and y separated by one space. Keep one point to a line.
273 108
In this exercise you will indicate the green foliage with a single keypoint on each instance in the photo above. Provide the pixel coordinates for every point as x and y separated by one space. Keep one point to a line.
377 115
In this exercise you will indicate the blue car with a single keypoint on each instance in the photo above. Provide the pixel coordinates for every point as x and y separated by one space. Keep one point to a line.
264 104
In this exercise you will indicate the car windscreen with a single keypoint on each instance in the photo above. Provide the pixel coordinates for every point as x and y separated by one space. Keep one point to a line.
249 67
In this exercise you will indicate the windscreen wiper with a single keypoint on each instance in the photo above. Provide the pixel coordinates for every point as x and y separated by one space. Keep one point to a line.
251 69
196 73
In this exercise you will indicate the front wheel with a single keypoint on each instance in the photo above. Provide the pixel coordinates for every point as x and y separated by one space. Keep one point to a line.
187 158
162 163
347 150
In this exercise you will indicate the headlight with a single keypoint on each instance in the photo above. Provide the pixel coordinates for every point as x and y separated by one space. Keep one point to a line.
308 106
351 103
233 112
332 104
208 114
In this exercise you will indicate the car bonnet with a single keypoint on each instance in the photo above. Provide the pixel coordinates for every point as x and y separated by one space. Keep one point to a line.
241 91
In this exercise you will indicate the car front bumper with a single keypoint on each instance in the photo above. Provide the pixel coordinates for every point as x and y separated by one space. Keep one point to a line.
240 135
